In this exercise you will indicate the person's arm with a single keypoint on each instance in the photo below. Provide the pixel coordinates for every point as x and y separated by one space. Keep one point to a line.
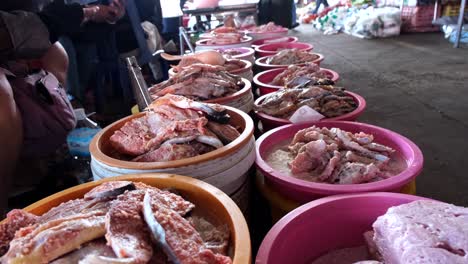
12 135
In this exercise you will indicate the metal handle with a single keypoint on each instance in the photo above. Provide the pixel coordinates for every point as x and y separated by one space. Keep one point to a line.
140 89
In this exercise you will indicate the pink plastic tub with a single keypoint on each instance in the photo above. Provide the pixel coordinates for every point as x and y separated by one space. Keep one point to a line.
202 44
246 53
269 122
261 64
273 48
260 42
324 225
282 32
263 79
305 191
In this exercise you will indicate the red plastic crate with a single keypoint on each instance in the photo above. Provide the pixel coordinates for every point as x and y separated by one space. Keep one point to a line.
418 18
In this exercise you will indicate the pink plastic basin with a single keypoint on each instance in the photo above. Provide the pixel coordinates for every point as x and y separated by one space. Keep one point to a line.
247 53
273 48
202 44
305 191
326 224
263 79
260 42
263 66
279 33
269 122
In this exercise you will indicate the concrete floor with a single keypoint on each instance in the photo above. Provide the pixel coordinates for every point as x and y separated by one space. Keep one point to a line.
415 85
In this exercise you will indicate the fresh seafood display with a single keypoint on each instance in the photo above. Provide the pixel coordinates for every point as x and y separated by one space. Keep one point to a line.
293 72
225 38
199 82
115 223
228 65
335 156
291 56
269 27
327 100
172 128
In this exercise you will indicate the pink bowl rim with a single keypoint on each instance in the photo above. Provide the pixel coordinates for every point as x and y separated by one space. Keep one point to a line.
413 169
246 52
259 48
256 80
294 39
247 66
260 62
201 42
270 238
361 102
283 29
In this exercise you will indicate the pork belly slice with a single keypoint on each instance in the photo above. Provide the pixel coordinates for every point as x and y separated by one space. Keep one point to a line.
168 152
16 219
168 199
77 206
423 232
184 240
127 232
96 247
42 243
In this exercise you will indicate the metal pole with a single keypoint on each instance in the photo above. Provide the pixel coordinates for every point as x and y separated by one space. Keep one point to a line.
184 34
460 23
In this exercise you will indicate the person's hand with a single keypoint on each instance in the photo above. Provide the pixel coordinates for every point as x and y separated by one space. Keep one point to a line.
106 13
118 10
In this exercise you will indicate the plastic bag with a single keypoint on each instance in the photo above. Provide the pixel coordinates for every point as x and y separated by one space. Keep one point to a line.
450 32
333 21
374 22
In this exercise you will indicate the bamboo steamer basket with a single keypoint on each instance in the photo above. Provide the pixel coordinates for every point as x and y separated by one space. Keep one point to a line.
227 168
242 99
209 200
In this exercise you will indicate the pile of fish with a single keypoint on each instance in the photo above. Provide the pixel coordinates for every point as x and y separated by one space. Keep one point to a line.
288 78
173 128
199 82
228 65
269 27
116 222
338 157
291 56
329 101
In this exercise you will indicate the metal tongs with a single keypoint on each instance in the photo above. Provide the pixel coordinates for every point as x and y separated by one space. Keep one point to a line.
157 230
140 88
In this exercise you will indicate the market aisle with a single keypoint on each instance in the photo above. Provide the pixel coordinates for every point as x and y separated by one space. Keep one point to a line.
414 84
